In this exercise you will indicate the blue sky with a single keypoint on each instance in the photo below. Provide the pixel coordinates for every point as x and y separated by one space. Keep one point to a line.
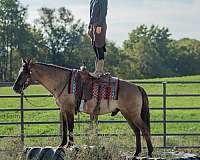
180 16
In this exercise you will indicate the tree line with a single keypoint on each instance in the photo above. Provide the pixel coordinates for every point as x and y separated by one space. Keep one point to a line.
58 38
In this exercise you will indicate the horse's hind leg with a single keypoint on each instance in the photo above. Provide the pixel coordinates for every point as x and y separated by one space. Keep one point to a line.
137 135
145 132
138 140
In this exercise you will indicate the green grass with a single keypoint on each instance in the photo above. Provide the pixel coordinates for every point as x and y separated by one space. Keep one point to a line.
108 128
100 147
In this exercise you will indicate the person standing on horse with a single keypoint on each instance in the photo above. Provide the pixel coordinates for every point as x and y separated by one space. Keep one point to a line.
97 32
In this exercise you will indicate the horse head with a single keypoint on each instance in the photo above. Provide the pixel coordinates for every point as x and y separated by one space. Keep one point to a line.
24 77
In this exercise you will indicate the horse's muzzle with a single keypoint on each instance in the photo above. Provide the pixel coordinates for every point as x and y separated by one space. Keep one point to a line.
17 89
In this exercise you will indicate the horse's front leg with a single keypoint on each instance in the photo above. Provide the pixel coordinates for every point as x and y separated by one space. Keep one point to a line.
64 129
70 123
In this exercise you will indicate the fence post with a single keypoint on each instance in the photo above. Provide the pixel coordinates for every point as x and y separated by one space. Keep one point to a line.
61 124
164 84
79 126
22 118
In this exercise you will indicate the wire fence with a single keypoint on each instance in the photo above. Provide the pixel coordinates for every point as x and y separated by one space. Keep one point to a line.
164 108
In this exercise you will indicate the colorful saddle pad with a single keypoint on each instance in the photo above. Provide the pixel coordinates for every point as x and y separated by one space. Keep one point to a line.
103 88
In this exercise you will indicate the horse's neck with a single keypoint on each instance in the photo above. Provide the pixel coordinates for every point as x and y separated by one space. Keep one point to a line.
54 80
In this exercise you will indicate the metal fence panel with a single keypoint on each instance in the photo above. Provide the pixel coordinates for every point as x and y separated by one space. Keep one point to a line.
164 108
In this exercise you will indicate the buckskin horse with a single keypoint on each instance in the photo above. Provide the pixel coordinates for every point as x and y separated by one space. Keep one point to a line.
132 100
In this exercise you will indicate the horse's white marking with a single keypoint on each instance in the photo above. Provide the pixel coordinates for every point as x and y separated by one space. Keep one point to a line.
20 71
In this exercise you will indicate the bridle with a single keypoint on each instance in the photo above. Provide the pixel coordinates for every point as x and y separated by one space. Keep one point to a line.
28 77
29 82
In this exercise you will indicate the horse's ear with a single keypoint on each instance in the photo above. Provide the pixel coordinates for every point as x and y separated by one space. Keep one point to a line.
23 60
30 61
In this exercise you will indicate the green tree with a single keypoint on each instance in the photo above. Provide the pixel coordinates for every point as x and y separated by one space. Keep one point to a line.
149 49
12 20
63 35
30 45
186 53
118 63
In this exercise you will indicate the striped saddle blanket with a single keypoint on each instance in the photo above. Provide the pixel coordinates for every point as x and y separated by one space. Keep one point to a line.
106 87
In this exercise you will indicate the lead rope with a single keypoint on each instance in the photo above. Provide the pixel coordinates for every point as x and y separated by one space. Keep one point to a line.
27 100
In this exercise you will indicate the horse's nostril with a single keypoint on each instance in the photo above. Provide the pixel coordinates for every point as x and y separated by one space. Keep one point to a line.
14 88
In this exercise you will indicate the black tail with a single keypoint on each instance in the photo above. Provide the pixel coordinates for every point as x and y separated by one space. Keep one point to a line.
145 115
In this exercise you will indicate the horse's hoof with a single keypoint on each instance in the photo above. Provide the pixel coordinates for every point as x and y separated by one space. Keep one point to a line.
61 146
114 113
149 155
137 154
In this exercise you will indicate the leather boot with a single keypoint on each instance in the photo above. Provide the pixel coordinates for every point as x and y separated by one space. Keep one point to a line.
99 69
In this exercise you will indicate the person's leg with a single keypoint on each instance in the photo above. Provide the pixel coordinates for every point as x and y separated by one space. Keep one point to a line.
99 48
100 53
96 52
97 57
100 62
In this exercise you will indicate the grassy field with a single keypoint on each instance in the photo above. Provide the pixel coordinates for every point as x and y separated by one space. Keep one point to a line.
156 128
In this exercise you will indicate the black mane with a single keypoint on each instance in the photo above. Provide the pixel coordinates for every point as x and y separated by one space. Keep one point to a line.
54 66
